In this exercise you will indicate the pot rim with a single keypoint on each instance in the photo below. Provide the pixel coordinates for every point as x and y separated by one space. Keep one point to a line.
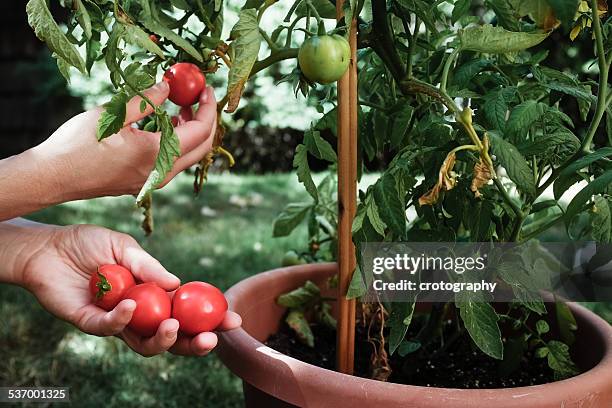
236 341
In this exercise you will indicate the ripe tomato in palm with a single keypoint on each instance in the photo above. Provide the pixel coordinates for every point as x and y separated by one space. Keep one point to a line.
186 83
153 306
108 285
198 307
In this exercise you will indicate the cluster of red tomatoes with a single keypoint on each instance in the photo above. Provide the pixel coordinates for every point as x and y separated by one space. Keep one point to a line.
198 306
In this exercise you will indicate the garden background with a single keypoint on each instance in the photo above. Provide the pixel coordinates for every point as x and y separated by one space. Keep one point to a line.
221 236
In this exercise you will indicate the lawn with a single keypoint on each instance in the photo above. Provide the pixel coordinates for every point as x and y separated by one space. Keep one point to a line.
222 236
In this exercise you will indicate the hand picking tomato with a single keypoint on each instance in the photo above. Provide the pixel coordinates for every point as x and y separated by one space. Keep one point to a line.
199 307
153 306
324 58
186 83
109 284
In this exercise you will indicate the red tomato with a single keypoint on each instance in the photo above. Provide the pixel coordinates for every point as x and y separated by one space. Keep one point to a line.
153 306
186 83
154 38
199 307
108 285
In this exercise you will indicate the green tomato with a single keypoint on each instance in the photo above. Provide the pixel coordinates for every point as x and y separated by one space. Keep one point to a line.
325 58
292 258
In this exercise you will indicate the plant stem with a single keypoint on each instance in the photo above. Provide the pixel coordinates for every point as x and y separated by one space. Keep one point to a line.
515 208
447 66
412 46
273 46
373 105
603 81
286 53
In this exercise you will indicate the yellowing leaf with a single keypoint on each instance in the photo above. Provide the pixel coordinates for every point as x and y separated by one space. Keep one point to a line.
497 40
244 47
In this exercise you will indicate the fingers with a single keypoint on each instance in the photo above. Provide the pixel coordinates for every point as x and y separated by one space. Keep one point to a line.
158 94
96 321
165 338
144 266
195 132
199 345
232 321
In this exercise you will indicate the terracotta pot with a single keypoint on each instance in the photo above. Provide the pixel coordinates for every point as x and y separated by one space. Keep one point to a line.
272 379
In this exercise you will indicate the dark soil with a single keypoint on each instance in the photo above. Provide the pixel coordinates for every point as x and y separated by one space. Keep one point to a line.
461 365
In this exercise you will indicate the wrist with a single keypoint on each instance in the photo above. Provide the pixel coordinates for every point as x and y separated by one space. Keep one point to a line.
21 241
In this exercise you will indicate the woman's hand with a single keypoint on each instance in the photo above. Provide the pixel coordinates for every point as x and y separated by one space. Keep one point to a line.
71 164
56 264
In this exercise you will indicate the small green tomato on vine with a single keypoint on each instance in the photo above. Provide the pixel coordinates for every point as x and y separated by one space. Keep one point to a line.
324 58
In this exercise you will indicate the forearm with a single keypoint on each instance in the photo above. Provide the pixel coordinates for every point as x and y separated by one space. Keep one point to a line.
20 240
27 184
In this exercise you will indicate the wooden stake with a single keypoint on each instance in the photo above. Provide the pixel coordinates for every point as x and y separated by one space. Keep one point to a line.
347 201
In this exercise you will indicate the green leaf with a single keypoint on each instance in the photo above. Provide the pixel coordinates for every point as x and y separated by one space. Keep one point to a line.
244 48
514 163
300 297
290 218
325 8
567 177
319 147
505 14
112 117
298 323
169 150
390 206
560 361
401 121
300 163
464 73
523 116
82 16
47 30
497 40
462 8
566 322
137 36
542 327
406 347
374 216
601 221
565 10
399 321
594 187
325 317
480 320
496 107
149 18
556 146
357 286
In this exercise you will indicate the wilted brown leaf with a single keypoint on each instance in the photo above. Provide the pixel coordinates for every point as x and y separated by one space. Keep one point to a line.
446 181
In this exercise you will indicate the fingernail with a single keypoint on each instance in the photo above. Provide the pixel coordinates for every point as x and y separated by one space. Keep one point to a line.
162 85
206 95
172 334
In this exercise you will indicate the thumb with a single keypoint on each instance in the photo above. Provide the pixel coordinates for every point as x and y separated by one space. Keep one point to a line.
157 94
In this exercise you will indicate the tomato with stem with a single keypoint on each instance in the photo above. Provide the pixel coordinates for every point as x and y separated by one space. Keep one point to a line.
109 284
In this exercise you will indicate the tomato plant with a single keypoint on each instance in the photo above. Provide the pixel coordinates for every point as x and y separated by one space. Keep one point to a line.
324 59
186 83
153 306
476 131
109 284
199 307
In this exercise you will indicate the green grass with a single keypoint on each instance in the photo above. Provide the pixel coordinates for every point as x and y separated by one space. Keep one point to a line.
224 248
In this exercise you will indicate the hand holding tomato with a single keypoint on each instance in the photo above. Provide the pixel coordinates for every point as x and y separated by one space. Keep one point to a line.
186 82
